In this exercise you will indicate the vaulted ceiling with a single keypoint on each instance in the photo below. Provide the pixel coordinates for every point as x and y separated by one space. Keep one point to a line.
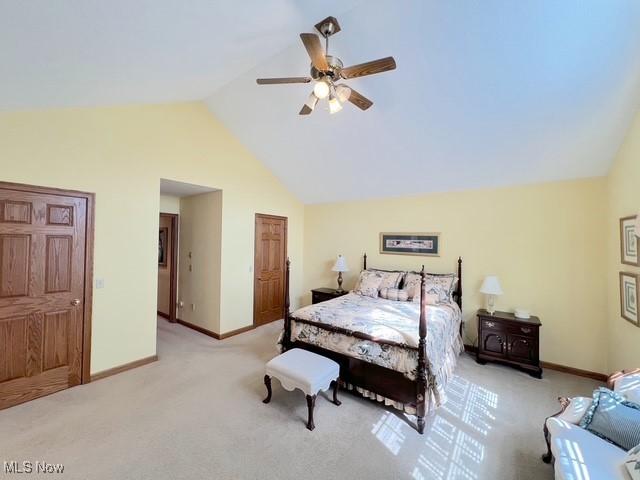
486 93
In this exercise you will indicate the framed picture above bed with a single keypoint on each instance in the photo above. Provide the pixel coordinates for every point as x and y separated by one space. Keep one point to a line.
629 241
629 292
425 244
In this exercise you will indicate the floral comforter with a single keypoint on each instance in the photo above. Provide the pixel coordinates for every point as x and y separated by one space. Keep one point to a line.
390 336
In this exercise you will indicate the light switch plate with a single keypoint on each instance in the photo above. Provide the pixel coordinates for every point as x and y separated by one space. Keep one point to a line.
99 282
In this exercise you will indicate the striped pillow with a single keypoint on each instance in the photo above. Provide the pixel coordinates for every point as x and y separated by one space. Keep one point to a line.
613 418
394 294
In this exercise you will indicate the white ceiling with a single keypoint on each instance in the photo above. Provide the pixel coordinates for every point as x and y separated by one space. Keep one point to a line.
101 52
486 93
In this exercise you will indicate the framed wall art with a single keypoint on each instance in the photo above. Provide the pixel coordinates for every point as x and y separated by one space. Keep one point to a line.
629 290
426 244
629 241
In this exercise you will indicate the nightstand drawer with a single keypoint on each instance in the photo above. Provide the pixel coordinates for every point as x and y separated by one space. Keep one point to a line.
492 324
319 297
526 331
323 294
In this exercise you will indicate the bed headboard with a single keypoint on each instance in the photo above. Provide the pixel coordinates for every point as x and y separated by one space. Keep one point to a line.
457 294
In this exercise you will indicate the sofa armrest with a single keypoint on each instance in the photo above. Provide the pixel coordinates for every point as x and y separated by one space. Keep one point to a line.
571 411
575 409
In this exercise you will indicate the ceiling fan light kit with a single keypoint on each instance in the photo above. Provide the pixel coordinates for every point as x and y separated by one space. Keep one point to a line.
326 70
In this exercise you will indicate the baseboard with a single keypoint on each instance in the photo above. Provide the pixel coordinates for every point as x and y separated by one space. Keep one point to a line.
163 315
123 368
601 377
236 331
198 329
217 336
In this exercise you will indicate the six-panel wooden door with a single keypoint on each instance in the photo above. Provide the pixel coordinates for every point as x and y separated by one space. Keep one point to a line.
42 284
269 266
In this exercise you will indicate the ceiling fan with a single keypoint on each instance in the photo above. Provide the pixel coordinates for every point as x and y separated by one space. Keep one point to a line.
328 70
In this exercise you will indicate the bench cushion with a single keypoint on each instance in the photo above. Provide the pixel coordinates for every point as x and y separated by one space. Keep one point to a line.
582 455
307 371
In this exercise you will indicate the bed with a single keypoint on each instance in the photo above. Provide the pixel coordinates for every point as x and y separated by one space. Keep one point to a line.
399 353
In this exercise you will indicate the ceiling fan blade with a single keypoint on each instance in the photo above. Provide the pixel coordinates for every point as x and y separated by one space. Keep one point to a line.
359 100
276 81
314 49
369 68
305 110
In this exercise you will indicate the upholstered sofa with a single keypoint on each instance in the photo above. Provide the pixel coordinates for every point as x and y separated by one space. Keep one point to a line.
578 453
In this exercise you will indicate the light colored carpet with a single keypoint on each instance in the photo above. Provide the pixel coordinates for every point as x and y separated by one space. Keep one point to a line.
197 413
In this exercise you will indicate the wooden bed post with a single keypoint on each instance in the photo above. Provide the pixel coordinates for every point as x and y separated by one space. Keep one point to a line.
365 260
422 354
459 288
286 339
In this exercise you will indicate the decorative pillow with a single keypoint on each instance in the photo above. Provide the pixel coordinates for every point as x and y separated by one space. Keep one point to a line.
442 284
439 287
629 387
632 462
613 418
394 294
369 283
390 279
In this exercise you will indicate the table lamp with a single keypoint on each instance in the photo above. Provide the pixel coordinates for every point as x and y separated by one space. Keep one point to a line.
340 266
491 287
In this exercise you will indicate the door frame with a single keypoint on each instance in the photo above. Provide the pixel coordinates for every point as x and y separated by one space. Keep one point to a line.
255 255
173 258
90 198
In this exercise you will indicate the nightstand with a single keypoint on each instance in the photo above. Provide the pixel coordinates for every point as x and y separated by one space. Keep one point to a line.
323 294
506 339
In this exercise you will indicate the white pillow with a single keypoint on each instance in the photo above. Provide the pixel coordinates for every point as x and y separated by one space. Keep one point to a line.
629 387
632 462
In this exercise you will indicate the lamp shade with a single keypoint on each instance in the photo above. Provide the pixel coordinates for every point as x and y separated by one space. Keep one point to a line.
340 265
491 286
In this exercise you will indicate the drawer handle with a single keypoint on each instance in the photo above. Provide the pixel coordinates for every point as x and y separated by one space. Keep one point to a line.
490 324
525 330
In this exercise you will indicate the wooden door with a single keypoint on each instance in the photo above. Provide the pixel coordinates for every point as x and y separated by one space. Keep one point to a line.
168 266
269 265
43 242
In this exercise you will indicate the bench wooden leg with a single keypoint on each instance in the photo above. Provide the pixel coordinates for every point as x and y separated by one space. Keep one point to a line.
311 403
336 384
267 382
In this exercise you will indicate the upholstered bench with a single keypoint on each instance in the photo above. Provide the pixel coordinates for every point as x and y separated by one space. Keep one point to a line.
305 371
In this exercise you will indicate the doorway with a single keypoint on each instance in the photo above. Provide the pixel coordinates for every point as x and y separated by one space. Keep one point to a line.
168 265
46 263
269 268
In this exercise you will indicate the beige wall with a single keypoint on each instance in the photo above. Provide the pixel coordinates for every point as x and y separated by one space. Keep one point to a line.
200 259
120 153
623 188
545 243
169 204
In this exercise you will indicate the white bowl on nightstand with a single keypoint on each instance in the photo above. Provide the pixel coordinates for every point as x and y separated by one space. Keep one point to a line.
522 313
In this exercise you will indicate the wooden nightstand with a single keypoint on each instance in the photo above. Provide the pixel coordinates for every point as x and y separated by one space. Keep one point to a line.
323 294
506 339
